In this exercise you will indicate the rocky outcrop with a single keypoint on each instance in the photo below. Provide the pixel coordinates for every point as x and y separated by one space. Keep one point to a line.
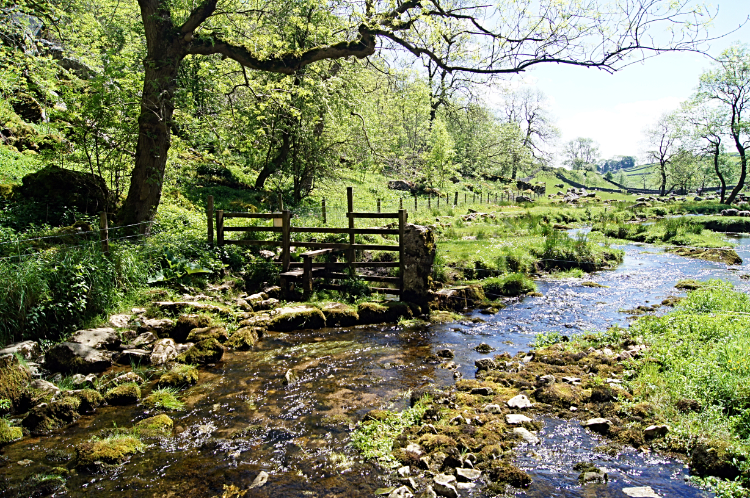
204 352
72 357
58 187
244 338
101 338
297 318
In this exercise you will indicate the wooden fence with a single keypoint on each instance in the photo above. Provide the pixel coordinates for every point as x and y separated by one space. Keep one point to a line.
304 272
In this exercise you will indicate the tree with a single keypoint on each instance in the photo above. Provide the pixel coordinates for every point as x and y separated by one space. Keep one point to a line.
262 37
709 124
439 160
581 152
663 143
527 108
728 84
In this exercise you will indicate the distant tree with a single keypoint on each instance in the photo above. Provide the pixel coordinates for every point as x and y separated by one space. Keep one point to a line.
581 152
728 84
663 143
608 175
708 125
527 108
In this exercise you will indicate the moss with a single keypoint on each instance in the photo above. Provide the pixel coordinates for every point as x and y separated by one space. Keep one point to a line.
124 394
201 334
560 395
243 338
715 458
206 351
387 312
444 316
111 450
502 472
689 284
435 442
164 397
302 317
726 256
13 379
340 315
515 284
186 323
90 399
159 425
8 433
178 376
53 415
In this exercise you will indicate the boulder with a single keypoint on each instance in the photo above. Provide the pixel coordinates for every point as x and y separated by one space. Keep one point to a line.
206 351
164 350
339 315
383 312
445 485
526 435
29 350
51 416
162 327
158 425
101 338
132 357
244 338
419 254
598 424
13 378
515 419
186 323
144 339
519 402
218 333
523 198
468 475
179 376
57 188
293 318
402 185
45 386
125 394
70 357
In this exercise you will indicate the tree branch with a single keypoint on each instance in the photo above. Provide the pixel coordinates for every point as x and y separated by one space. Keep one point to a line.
198 15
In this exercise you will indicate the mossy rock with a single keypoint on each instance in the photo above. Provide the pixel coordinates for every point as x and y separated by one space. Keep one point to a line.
13 379
560 395
178 376
186 323
202 353
9 434
159 425
297 318
502 472
339 315
51 416
515 284
201 334
386 312
726 256
111 450
124 394
689 285
244 338
58 187
715 459
436 442
90 399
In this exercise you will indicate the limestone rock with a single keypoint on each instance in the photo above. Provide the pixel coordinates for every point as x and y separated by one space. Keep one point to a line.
244 338
186 323
159 326
260 480
51 416
445 485
45 386
468 475
492 408
58 187
385 312
340 315
526 435
69 357
598 424
485 364
401 492
13 378
125 394
519 402
482 391
640 492
133 357
203 352
516 419
201 334
127 377
419 254
120 321
101 338
164 350
144 338
29 350
293 318
654 431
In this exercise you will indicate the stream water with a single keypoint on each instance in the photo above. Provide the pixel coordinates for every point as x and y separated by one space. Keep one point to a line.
241 418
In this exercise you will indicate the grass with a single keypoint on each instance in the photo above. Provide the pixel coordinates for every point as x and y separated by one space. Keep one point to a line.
672 231
164 398
374 438
513 284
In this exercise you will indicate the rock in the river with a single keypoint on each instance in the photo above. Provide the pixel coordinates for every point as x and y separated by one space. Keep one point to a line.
428 493
125 394
445 485
186 323
598 424
127 377
207 351
107 451
516 419
201 334
101 338
164 350
244 338
485 364
159 425
385 312
260 480
69 357
293 318
8 433
50 416
143 339
446 353
640 492
340 315
290 378
519 402
484 348
526 435
29 350
179 376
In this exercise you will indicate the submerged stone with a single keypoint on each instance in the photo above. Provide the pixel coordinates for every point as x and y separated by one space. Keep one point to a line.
178 376
111 450
640 492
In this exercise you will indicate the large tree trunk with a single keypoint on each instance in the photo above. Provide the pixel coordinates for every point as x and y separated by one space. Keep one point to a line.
663 171
165 53
718 174
743 171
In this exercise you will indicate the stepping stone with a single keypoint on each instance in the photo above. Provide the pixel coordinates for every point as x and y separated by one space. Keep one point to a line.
640 492
516 419
526 435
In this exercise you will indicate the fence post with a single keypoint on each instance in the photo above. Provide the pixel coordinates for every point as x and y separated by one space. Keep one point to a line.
401 233
281 202
455 198
286 217
104 232
488 197
438 199
495 197
323 210
378 205
474 198
210 219
429 201
350 210
401 203
465 194
220 227
415 203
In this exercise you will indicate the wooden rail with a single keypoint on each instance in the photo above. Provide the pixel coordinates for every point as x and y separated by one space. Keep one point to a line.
307 270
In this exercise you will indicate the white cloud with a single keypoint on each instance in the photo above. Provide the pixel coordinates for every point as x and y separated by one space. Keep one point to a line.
617 129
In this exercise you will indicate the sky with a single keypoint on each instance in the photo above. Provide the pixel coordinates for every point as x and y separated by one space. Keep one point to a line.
615 109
